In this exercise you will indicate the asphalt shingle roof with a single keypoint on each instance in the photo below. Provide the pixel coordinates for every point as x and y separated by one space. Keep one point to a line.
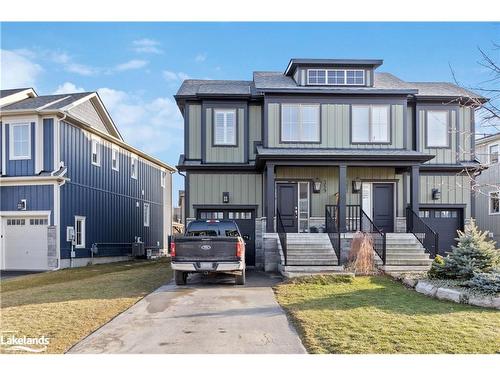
4 93
40 101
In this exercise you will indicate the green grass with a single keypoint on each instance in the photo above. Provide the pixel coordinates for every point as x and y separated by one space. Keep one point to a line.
379 315
69 304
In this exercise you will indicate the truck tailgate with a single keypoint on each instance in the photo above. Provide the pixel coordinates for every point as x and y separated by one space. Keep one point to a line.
205 249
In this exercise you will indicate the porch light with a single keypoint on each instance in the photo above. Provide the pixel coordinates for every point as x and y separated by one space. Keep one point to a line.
436 194
316 186
225 197
356 185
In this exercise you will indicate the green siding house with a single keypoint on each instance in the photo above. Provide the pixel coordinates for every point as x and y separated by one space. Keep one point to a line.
302 159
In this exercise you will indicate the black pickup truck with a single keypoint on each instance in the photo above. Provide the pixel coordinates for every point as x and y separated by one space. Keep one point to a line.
209 246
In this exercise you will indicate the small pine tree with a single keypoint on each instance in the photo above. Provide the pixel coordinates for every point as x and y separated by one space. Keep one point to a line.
474 253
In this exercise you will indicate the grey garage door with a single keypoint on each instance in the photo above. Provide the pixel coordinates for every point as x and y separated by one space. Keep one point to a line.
446 222
244 218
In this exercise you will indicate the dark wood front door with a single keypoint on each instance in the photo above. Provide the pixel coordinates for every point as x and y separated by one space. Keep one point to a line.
383 207
287 206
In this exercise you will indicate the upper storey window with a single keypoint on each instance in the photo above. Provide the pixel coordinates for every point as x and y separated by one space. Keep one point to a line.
96 151
20 141
342 77
438 135
225 127
300 123
370 124
494 150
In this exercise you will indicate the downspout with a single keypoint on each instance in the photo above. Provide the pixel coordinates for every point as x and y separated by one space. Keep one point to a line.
186 208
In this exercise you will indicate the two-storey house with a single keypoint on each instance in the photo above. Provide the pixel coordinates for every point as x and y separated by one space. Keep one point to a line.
487 191
71 190
303 158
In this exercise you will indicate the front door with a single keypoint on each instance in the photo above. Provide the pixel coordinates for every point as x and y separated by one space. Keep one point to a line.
287 206
383 207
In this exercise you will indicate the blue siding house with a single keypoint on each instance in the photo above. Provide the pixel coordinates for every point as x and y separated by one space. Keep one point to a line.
71 190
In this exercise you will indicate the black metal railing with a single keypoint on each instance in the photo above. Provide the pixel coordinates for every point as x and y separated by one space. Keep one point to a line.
423 232
378 236
332 228
280 228
353 216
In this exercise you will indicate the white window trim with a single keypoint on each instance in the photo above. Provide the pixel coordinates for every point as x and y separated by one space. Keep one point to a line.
136 158
98 150
11 141
427 128
148 217
83 220
225 142
117 149
318 107
490 153
163 178
327 83
370 123
489 203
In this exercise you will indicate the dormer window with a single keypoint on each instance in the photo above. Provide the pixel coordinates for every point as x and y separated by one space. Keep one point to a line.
336 77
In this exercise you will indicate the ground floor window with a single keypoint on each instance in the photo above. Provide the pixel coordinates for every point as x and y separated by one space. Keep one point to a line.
494 203
303 207
79 231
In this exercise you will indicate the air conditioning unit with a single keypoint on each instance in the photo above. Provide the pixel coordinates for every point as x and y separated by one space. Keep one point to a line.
138 249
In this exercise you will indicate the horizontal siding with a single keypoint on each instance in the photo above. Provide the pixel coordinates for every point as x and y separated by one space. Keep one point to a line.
244 189
489 180
336 128
455 189
225 154
38 198
194 131
254 128
331 177
87 112
106 197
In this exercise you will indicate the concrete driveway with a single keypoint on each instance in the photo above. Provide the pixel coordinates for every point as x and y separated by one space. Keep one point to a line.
209 315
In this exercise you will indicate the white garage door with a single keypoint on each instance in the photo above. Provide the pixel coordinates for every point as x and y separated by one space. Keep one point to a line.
25 243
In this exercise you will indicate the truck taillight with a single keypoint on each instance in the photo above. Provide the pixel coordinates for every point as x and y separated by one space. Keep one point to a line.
239 249
172 249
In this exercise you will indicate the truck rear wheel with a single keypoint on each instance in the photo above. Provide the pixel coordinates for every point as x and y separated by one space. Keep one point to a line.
240 279
180 277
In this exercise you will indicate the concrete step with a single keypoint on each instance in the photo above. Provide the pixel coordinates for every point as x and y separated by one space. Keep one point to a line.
409 262
308 246
299 271
393 268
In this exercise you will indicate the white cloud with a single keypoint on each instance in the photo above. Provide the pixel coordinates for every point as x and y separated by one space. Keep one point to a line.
17 70
130 65
146 45
170 76
200 57
81 69
67 88
153 126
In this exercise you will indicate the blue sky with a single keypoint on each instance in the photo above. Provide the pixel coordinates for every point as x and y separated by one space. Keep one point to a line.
138 67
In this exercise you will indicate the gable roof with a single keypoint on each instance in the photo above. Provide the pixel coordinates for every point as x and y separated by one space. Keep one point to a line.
193 87
8 92
488 138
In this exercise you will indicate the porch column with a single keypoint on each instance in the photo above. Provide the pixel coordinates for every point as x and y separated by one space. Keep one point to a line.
270 198
342 198
414 188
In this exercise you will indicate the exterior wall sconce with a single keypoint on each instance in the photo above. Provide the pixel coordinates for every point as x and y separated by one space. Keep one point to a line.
316 186
356 185
436 194
21 205
225 197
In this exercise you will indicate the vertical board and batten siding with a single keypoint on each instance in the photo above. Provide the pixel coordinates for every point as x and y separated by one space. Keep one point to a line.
194 131
455 189
38 198
331 177
466 133
1 147
221 154
410 125
207 189
107 198
335 127
442 155
48 144
20 167
254 128
87 113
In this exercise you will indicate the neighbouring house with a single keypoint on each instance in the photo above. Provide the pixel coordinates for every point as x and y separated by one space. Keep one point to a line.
302 159
487 192
71 189
178 221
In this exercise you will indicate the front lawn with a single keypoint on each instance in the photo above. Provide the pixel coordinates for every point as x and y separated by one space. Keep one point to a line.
379 315
69 304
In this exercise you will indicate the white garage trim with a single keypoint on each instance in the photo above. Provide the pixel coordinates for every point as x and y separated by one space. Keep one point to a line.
26 213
